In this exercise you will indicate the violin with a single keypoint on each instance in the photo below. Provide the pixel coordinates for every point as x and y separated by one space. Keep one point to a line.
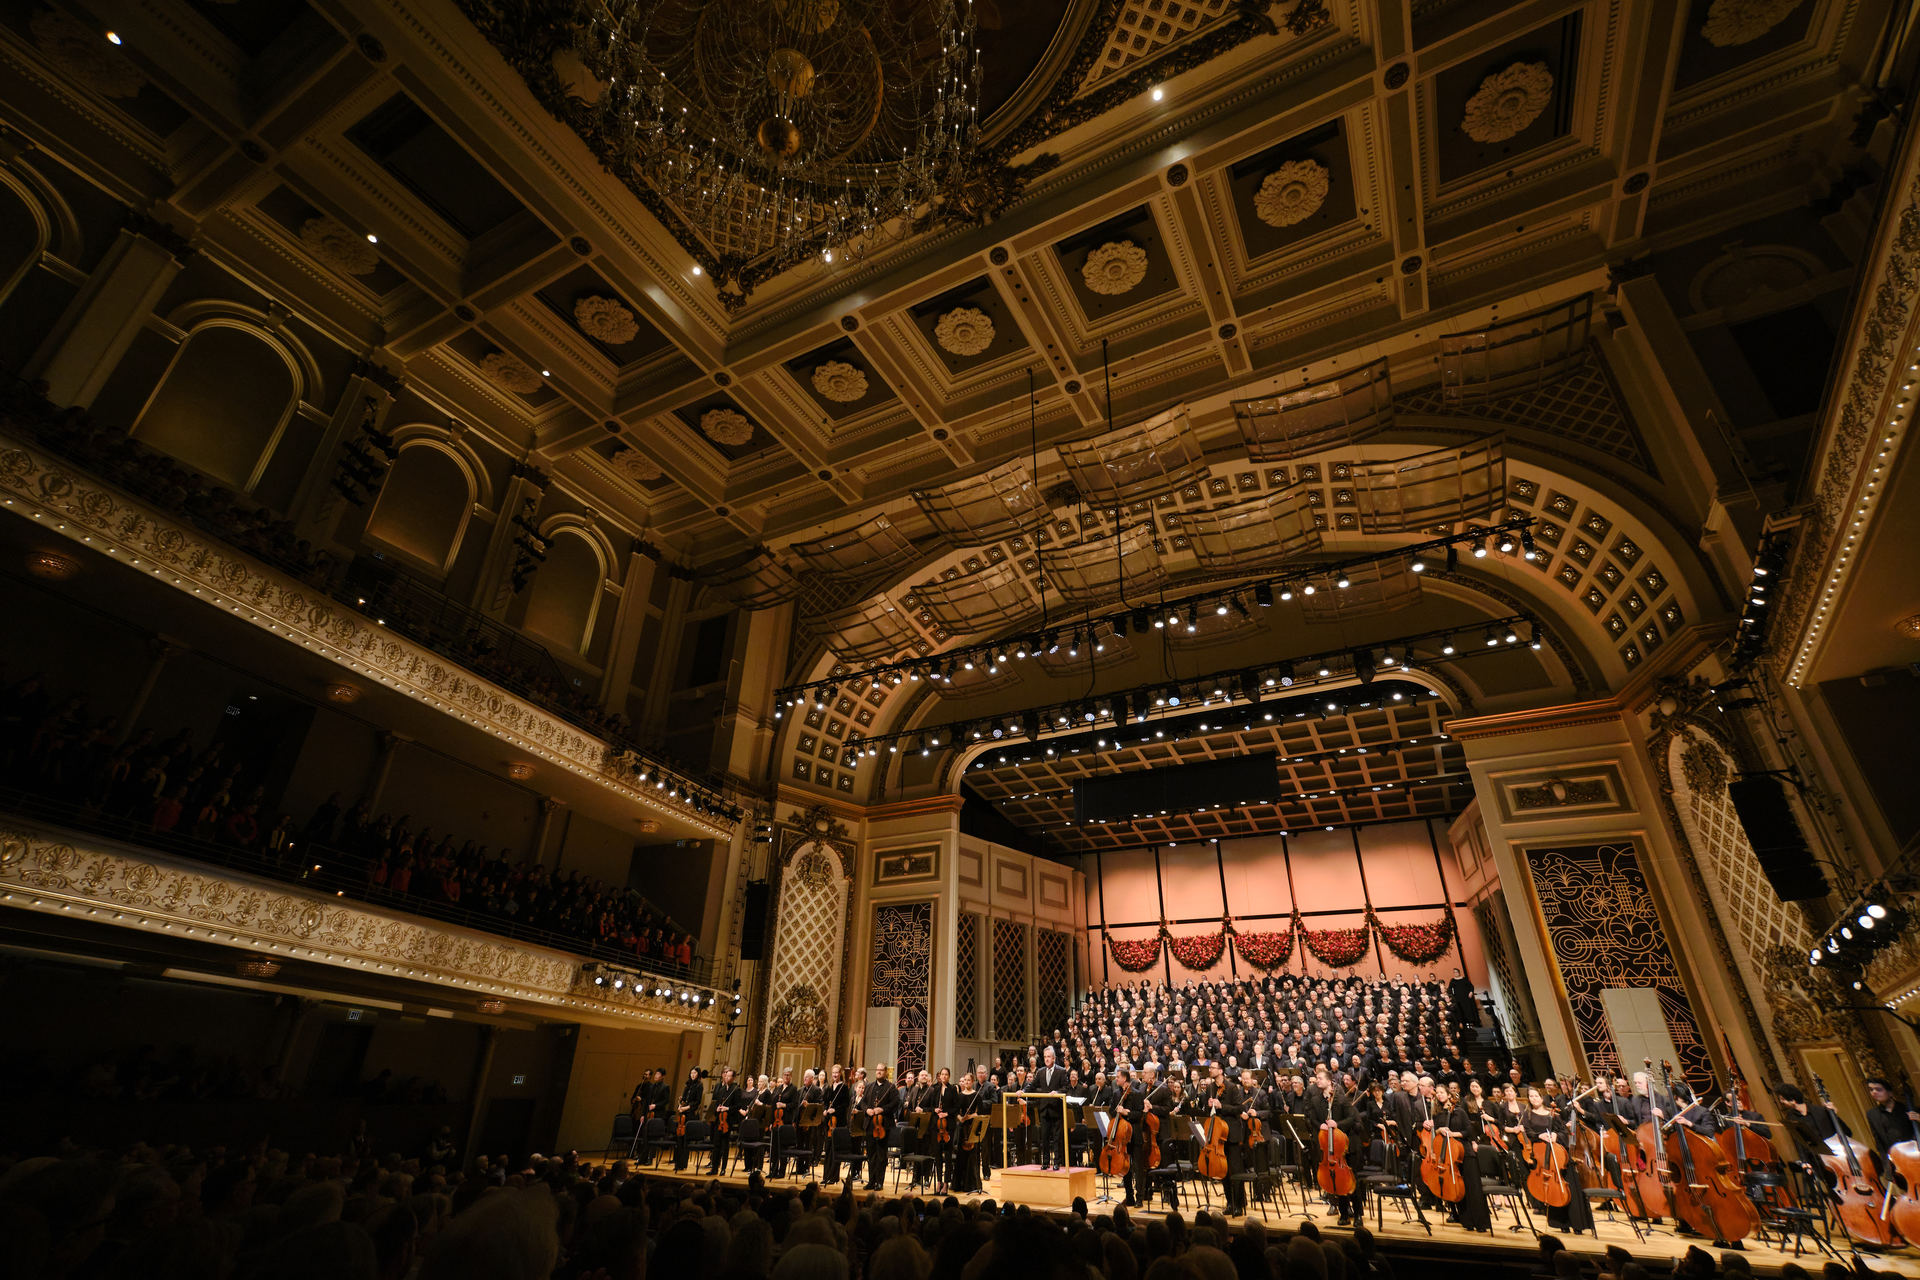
1212 1160
1905 1159
1709 1195
1113 1156
1856 1188
680 1123
720 1120
1335 1175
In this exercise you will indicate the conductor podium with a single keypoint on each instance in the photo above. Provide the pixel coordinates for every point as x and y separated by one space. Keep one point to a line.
1031 1184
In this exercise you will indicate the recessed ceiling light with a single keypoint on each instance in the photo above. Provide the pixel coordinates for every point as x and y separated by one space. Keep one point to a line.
372 238
113 37
696 268
1158 93
546 373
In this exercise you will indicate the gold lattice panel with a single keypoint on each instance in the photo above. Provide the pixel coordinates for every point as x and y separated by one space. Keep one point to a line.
1580 405
1515 1020
1050 979
808 922
966 978
1009 980
1750 908
1145 27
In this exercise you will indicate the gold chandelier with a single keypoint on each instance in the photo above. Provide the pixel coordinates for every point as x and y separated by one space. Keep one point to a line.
785 130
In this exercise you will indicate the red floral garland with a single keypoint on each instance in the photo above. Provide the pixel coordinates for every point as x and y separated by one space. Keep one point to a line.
1416 943
1199 951
1338 948
1264 951
1135 955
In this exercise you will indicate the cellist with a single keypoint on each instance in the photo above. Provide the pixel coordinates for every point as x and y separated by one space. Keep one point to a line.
1462 1122
1225 1099
1336 1108
1541 1126
1132 1107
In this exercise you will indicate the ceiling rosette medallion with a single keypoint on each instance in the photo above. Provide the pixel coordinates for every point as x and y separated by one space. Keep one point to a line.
1508 101
1737 22
333 244
510 372
727 427
606 320
637 466
1116 267
840 382
80 51
1292 193
964 331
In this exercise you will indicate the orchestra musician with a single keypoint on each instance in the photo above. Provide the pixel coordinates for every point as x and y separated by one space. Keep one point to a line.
942 1099
726 1102
785 1104
882 1102
836 1104
689 1107
985 1095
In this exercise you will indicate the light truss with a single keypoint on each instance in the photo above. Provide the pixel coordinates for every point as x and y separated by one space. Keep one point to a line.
1011 601
1340 409
1365 591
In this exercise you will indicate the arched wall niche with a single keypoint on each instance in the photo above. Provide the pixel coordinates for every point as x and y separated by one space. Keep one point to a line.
563 604
426 502
224 401
26 231
805 962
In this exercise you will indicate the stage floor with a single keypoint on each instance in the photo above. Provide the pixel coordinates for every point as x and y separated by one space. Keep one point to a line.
1403 1235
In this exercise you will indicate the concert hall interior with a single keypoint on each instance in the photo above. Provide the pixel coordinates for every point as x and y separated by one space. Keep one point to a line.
1255 612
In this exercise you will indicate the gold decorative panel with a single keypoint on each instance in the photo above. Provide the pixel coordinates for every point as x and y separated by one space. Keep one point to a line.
1009 980
1604 933
903 972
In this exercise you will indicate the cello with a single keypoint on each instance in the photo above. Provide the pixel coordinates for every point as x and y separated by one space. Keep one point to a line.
1857 1191
1335 1175
1547 1180
1113 1155
1709 1196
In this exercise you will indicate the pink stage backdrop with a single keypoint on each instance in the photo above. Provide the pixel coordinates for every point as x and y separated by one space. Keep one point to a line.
1406 870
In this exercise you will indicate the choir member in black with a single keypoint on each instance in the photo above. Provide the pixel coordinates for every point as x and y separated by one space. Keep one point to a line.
726 1103
688 1109
835 1105
1225 1099
786 1109
1046 1113
882 1102
1461 1121
943 1100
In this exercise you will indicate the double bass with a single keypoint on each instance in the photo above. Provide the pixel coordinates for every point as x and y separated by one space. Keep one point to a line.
1858 1195
1650 1171
1708 1194
1905 1159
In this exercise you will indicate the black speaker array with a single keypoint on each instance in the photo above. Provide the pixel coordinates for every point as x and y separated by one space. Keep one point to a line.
753 922
1774 833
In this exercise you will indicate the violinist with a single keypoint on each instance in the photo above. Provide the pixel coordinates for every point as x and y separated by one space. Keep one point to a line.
786 1101
1462 1121
688 1108
882 1103
941 1098
965 1162
836 1104
1254 1106
813 1093
725 1103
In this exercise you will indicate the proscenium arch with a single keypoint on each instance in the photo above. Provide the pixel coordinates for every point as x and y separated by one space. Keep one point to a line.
1577 635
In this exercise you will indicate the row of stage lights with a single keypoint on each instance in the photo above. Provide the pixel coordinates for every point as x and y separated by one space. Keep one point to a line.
1763 587
1865 929
612 978
1185 612
1248 685
698 799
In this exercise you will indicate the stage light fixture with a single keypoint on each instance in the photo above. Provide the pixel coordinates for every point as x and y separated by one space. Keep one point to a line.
1307 590
1363 669
1286 675
1418 566
1343 582
1263 594
1141 618
1286 593
1453 558
1506 544
1480 550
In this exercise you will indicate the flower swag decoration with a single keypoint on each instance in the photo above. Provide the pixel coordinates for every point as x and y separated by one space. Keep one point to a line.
964 331
1508 101
606 320
1264 951
1135 955
333 244
1737 22
510 372
840 382
1116 267
1292 193
1199 951
729 427
1416 943
1338 948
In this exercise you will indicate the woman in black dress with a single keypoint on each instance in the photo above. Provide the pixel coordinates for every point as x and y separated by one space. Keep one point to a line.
1464 1123
1542 1125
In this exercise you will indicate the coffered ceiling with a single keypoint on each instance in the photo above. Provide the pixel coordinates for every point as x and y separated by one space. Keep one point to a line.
1218 196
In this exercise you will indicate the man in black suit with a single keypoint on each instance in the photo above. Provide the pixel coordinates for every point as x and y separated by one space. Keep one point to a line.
726 1105
882 1103
1051 1078
836 1104
986 1094
1404 1117
786 1105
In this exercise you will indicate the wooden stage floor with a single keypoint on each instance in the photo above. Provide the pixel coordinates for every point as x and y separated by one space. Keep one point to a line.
1403 1237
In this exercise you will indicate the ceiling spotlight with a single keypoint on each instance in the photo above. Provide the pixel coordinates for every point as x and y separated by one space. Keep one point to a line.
1286 674
1493 639
1221 608
619 984
1506 544
1418 565
1307 590
1513 637
1286 593
1526 544
1343 582
1158 93
1877 911
1479 550
113 37
1447 647
696 268
1865 921
1263 594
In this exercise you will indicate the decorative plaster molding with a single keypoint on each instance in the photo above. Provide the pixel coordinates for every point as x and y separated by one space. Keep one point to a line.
79 508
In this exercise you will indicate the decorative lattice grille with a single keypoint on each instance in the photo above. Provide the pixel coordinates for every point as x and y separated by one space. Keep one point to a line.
902 966
1515 1018
1751 910
1050 979
966 978
1009 980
